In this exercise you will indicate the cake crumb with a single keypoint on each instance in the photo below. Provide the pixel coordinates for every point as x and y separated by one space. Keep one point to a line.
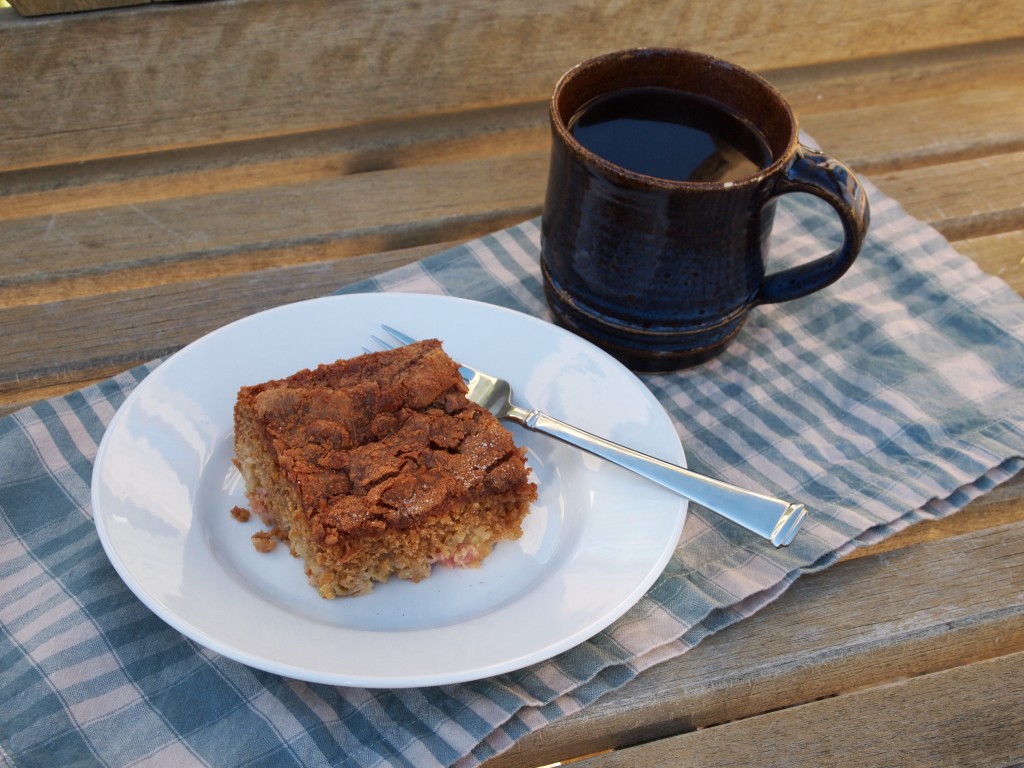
241 514
264 541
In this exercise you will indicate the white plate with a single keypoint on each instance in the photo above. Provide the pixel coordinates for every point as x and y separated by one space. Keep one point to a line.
596 539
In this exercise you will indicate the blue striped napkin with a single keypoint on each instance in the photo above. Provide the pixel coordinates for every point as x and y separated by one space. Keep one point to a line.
896 395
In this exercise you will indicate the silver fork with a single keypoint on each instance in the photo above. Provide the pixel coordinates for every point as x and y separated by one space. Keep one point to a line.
773 519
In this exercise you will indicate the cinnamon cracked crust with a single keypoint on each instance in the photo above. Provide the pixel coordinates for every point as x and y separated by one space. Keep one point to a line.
379 466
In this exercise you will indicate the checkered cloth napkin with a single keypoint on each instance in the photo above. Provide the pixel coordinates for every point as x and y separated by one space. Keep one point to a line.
894 396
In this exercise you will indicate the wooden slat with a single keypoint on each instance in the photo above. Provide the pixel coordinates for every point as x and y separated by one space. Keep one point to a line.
896 112
321 223
142 230
1001 255
825 97
970 716
258 164
993 106
156 250
45 7
377 211
1000 506
965 199
173 75
103 334
211 304
136 233
915 611
89 251
150 254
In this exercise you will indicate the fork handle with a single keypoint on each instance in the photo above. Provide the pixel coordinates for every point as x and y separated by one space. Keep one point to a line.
773 519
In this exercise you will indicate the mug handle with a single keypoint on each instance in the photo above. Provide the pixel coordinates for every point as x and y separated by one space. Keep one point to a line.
822 176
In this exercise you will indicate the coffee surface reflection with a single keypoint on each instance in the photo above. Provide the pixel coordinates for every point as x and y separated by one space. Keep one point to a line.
671 135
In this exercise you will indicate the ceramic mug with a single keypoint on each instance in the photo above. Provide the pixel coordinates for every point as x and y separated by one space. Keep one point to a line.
662 271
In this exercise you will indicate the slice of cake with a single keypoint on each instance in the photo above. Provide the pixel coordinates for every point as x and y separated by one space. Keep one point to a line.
379 466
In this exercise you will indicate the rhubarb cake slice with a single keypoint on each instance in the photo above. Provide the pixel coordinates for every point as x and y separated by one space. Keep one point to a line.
379 466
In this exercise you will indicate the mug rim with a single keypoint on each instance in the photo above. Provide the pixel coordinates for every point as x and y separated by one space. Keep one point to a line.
560 125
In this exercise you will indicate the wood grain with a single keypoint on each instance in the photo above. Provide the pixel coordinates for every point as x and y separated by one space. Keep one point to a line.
45 7
102 333
80 241
968 716
937 195
998 507
359 213
170 75
923 108
1001 255
935 606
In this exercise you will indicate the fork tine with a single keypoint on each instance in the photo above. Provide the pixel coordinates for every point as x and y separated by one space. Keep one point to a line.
381 342
399 336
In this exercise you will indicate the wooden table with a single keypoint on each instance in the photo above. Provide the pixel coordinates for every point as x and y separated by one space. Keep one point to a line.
168 168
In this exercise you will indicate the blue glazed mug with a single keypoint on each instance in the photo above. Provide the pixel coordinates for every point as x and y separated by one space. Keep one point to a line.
663 272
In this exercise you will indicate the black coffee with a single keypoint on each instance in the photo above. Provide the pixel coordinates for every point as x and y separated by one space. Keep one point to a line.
670 134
